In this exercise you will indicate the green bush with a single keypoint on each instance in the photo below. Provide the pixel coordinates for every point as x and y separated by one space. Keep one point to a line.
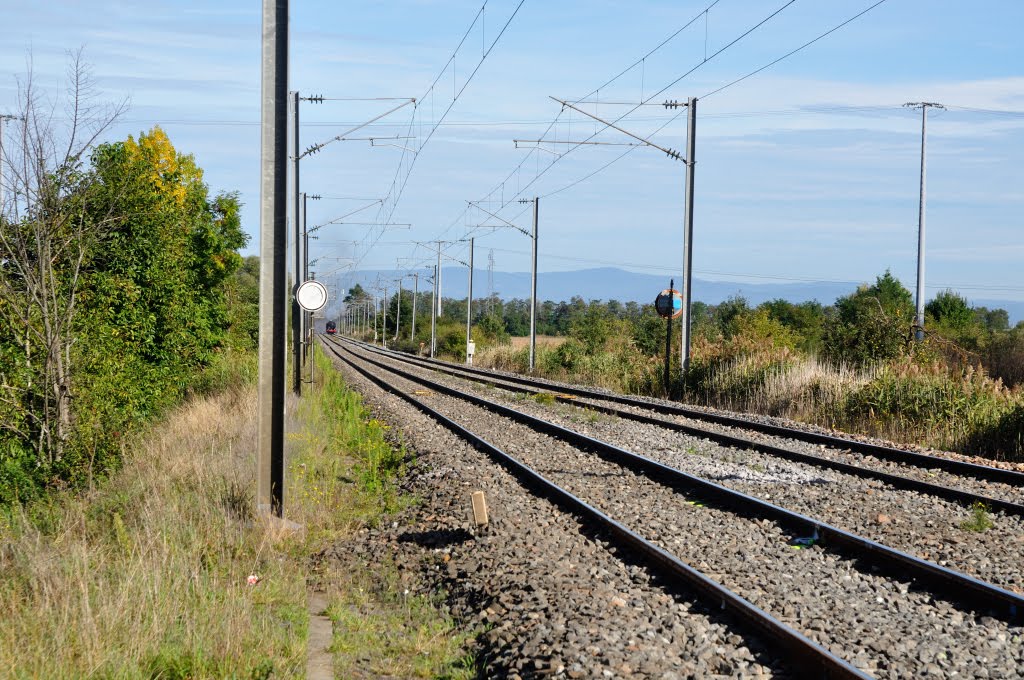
451 341
946 408
1003 357
874 324
1001 438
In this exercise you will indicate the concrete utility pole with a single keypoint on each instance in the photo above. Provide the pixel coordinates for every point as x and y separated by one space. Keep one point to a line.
691 162
437 281
297 312
469 307
384 324
398 309
435 302
415 294
433 308
919 319
533 288
307 317
273 258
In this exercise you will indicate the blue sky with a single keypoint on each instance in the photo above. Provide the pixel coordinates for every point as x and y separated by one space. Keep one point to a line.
808 170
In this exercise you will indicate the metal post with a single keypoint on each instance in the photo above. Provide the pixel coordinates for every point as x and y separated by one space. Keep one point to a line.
415 294
469 307
296 198
384 323
533 290
398 310
375 319
668 344
433 317
307 317
691 132
273 257
919 321
437 282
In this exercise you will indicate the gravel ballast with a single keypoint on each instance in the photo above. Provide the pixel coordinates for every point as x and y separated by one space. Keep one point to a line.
875 622
552 599
918 523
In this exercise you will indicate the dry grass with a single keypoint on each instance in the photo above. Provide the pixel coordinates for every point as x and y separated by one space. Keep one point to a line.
802 389
552 341
910 401
904 401
146 576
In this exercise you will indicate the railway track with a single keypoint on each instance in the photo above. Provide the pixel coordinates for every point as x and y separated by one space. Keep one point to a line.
968 483
597 399
843 582
925 522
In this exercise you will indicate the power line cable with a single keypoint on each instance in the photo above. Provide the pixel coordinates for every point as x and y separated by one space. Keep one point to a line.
388 209
526 158
789 54
738 80
715 54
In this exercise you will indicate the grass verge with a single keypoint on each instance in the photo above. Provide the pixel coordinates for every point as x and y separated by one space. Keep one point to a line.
146 575
345 465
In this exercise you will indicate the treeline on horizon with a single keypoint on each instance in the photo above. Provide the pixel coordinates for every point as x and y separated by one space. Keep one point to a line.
873 323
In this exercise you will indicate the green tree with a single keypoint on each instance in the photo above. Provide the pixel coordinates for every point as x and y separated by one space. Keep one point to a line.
874 323
592 326
156 293
491 328
807 319
992 319
728 315
950 311
356 294
242 295
47 235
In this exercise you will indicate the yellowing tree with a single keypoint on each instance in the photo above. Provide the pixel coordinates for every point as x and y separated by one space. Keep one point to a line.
168 172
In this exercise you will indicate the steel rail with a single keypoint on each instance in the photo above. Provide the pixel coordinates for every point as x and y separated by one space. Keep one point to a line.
970 592
897 481
808 656
890 453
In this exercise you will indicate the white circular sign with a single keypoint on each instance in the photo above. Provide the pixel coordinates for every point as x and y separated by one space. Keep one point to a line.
311 295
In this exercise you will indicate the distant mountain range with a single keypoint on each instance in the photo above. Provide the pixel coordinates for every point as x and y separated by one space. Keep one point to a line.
607 283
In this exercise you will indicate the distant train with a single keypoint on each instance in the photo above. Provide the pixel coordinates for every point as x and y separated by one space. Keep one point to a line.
332 327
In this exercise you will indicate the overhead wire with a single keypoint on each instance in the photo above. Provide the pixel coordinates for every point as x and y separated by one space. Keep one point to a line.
789 54
546 121
500 186
706 59
388 209
717 90
738 80
808 110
